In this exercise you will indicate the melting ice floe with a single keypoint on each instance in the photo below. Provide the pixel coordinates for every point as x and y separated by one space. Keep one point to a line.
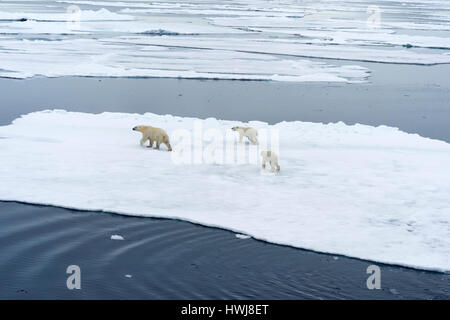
369 192
255 39
87 57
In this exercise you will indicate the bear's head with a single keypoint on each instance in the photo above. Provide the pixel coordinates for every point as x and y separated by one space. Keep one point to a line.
139 128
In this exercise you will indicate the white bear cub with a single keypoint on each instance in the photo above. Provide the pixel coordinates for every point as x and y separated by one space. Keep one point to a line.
272 158
250 133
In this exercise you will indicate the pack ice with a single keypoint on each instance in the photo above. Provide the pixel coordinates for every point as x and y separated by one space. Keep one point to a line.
252 39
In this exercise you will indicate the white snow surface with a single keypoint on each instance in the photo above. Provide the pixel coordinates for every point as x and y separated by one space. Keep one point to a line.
218 39
369 192
117 237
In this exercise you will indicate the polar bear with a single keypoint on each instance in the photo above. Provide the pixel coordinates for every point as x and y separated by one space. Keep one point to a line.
248 132
272 158
153 134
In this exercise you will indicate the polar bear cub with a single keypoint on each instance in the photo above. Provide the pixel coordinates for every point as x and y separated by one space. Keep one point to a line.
250 133
272 158
153 134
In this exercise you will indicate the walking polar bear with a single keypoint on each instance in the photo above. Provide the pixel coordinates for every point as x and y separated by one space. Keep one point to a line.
250 133
252 136
153 134
272 158
160 136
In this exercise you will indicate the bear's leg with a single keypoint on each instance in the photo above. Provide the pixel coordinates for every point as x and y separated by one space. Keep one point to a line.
264 163
157 145
150 144
241 136
168 146
143 140
272 166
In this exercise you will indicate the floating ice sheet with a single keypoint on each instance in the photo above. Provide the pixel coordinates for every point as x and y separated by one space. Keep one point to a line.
110 58
369 192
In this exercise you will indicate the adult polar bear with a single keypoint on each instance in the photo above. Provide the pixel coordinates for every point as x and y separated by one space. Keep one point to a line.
153 134
250 133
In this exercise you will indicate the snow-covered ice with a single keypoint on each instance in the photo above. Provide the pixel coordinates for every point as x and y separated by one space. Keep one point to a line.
369 192
117 237
253 39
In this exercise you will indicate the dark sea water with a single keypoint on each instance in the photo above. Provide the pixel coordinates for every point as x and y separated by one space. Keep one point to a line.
415 99
170 259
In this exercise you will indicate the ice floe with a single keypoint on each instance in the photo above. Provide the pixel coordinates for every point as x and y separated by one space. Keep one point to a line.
111 58
369 192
